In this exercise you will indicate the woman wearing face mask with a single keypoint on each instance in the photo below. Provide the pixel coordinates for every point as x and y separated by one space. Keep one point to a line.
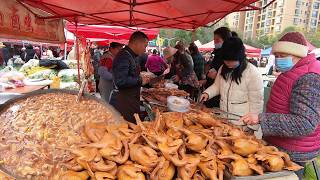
238 82
220 35
292 118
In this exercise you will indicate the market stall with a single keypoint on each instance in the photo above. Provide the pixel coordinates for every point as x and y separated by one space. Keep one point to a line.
194 144
18 22
85 138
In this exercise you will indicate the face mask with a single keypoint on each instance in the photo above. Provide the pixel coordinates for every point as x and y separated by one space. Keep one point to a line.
235 66
218 45
284 64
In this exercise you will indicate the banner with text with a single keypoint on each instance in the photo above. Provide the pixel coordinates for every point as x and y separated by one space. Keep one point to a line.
18 22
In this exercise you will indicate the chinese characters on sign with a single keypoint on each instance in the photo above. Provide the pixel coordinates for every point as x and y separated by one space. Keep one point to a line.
17 22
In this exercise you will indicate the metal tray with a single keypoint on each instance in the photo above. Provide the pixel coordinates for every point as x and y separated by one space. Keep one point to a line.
46 91
268 175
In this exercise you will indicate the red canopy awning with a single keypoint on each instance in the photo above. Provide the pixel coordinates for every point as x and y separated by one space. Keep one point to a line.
181 14
109 32
250 49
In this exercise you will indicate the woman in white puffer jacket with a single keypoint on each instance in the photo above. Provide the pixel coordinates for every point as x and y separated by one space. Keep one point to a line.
238 82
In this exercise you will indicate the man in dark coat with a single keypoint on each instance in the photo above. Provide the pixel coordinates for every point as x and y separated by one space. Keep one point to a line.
126 77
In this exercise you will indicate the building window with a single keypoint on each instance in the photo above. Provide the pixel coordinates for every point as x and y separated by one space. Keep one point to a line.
268 22
262 24
316 5
263 17
267 30
280 3
278 28
315 14
297 12
298 3
296 21
281 11
314 22
278 20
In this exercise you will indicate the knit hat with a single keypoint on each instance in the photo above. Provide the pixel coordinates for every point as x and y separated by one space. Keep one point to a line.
169 51
233 50
293 43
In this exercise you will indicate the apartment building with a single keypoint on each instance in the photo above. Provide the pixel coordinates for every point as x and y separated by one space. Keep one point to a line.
302 14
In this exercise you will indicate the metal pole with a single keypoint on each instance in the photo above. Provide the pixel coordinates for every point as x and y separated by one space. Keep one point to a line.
65 51
77 52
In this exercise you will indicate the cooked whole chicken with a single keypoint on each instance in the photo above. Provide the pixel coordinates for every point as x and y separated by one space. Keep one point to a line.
239 166
244 147
143 155
130 172
165 170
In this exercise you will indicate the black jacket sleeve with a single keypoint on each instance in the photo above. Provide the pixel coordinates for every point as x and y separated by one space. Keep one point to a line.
124 72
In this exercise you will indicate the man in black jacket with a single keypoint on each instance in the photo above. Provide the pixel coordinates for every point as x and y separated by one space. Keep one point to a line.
126 77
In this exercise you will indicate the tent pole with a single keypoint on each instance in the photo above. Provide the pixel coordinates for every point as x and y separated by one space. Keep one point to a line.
77 51
65 51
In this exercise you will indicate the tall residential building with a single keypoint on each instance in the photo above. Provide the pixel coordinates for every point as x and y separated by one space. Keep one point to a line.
302 14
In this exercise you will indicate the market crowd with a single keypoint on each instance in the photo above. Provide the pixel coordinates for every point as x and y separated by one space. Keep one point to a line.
227 81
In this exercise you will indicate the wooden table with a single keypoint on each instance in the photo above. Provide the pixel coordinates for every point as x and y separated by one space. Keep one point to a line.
25 89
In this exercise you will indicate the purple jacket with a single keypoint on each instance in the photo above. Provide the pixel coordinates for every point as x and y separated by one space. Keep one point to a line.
292 118
155 64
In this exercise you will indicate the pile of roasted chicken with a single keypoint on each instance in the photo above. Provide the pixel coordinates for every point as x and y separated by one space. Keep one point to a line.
40 133
160 95
53 136
175 145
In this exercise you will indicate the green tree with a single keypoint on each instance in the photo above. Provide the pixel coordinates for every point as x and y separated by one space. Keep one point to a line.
313 38
182 35
286 30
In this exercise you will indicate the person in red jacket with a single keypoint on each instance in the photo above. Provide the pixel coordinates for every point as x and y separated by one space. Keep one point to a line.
105 70
292 118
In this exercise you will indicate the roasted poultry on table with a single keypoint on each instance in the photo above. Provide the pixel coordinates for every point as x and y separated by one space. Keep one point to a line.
40 140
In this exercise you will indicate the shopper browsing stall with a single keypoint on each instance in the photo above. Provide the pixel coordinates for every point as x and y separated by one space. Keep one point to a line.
198 61
220 35
292 119
156 64
105 70
185 76
238 82
126 77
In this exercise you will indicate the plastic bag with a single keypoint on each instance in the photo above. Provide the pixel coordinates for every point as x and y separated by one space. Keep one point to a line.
11 76
69 85
70 75
309 171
